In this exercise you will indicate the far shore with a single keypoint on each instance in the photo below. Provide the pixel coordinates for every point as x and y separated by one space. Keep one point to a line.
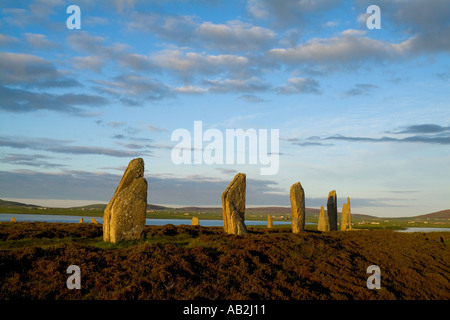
358 222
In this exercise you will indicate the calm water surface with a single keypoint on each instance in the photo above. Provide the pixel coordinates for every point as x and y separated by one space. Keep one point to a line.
425 230
161 222
87 219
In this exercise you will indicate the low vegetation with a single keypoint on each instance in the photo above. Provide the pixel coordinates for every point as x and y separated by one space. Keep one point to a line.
195 262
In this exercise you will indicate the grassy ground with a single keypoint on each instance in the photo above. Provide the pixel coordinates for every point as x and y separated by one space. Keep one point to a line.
186 262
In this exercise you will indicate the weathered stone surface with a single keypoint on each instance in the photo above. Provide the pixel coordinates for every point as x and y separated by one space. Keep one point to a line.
349 216
233 206
322 224
195 221
332 210
346 221
344 217
124 216
297 196
269 222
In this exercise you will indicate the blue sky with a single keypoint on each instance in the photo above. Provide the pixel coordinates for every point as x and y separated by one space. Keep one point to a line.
363 111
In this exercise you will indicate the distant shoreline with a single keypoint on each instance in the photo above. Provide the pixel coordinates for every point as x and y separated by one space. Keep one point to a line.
358 224
440 219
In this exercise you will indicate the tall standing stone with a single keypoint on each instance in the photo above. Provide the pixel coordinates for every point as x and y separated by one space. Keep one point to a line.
297 196
322 224
344 217
332 210
233 206
269 222
124 216
349 211
346 221
195 221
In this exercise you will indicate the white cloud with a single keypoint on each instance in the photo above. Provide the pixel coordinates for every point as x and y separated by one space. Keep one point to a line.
18 100
83 41
426 22
186 64
360 89
286 12
189 190
154 128
30 70
8 40
300 85
350 47
36 12
133 89
137 62
94 63
173 27
234 35
191 90
353 32
93 21
331 24
39 41
236 85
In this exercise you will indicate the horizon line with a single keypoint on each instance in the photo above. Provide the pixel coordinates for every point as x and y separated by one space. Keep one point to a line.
81 203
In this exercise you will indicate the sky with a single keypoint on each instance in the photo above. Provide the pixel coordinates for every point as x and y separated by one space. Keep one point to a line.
359 110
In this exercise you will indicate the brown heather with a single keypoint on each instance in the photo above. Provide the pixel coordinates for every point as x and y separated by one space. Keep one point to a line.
196 262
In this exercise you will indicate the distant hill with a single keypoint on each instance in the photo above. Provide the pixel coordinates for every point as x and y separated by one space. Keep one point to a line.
157 207
99 206
274 211
103 206
13 204
281 211
443 214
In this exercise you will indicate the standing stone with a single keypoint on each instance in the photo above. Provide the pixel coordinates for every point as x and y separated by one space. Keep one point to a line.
93 221
297 196
322 224
346 222
349 212
332 210
344 217
233 206
269 222
195 221
81 220
13 219
124 216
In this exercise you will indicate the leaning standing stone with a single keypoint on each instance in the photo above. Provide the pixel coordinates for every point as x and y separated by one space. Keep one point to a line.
124 216
332 210
322 225
297 196
233 206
